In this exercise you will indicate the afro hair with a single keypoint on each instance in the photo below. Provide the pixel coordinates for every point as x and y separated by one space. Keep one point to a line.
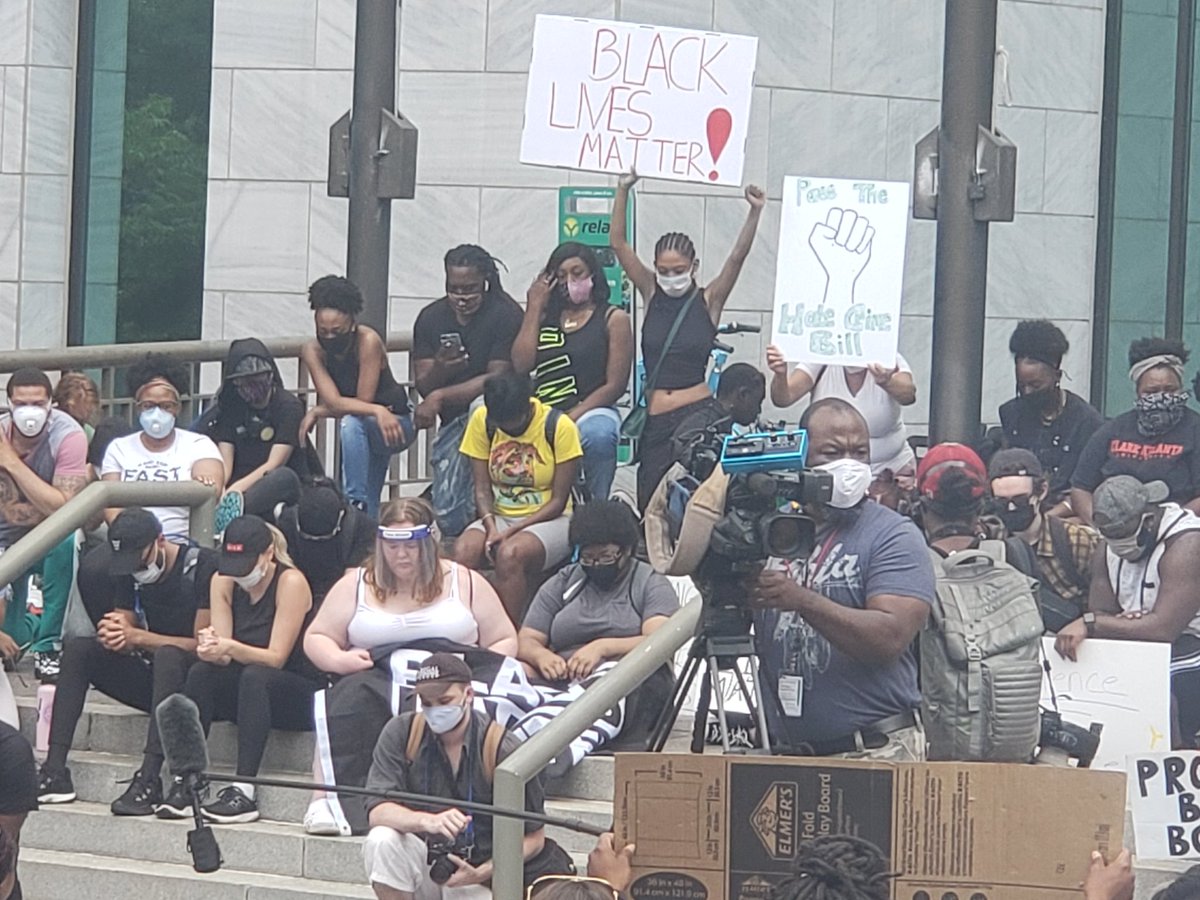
157 365
1039 339
335 292
1144 348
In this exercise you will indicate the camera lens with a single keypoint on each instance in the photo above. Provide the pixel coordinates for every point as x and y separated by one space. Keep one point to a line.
441 870
788 536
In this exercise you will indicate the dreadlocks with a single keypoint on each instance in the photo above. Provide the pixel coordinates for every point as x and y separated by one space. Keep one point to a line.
838 867
677 241
472 256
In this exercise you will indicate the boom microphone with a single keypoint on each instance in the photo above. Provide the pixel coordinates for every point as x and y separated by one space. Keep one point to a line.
186 749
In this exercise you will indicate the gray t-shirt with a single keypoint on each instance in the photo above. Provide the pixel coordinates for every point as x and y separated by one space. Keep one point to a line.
879 553
591 613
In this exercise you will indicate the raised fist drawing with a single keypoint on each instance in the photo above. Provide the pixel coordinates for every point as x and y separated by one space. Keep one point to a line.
842 244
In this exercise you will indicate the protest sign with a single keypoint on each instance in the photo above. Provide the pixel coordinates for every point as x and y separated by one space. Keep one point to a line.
1161 793
1124 686
840 270
610 96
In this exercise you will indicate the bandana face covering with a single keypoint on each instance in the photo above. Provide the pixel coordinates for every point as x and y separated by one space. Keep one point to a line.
1159 412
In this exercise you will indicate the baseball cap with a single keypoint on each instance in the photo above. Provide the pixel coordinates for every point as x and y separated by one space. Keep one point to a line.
1015 461
131 532
246 538
445 667
950 457
249 365
1119 503
319 511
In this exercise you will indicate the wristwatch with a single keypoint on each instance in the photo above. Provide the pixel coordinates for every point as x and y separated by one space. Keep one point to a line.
1089 620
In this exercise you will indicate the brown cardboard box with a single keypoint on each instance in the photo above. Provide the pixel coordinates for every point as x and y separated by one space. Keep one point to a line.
726 828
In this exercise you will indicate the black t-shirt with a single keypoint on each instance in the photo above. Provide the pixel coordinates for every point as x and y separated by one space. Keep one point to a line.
169 605
1118 448
324 562
487 338
254 432
1058 445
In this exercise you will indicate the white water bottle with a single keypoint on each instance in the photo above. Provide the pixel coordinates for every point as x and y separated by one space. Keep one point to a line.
45 711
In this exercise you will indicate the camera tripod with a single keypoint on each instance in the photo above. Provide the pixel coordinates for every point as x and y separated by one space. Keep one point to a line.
717 653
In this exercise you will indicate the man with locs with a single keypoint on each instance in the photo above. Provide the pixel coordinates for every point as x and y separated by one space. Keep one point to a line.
835 632
43 464
448 758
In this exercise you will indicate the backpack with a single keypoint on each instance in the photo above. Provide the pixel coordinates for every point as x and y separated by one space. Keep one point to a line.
491 744
981 677
552 418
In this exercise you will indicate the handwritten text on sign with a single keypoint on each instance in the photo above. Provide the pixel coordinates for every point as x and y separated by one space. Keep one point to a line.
840 273
1164 797
610 96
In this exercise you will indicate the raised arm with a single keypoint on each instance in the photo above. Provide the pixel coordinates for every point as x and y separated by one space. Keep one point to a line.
524 348
719 289
786 388
642 277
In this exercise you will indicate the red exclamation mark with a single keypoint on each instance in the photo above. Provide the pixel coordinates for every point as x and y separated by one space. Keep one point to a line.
720 123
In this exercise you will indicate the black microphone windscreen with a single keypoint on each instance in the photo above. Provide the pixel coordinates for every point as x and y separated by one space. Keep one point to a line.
182 735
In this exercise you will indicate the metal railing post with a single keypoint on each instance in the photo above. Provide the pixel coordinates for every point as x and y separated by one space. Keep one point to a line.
531 757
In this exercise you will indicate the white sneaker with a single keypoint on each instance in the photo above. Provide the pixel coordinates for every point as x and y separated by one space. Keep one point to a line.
320 820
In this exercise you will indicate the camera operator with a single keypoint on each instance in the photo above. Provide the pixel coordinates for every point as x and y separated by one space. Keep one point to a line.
835 633
450 759
739 400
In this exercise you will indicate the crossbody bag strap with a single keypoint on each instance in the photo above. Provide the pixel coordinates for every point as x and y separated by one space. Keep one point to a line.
650 382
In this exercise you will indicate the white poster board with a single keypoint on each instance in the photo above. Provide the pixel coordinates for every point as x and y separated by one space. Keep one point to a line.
1161 790
1125 685
840 272
607 96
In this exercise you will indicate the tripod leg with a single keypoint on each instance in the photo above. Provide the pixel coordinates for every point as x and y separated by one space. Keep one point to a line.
670 714
760 705
700 723
714 671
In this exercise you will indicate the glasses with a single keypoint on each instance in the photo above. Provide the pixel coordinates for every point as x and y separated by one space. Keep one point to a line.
322 537
171 406
604 559
547 880
1012 504
464 294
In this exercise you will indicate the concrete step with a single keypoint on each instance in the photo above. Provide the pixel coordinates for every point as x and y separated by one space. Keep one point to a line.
56 875
109 728
95 776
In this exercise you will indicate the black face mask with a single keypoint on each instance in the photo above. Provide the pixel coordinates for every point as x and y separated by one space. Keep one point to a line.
1039 401
338 344
1016 520
606 576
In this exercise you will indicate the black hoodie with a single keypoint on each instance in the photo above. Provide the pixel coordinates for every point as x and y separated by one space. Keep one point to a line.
254 432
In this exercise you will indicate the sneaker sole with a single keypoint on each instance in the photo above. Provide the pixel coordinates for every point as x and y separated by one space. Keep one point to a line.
239 819
163 811
57 798
132 814
323 830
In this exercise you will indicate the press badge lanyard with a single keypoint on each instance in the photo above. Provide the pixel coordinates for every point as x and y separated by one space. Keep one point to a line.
814 565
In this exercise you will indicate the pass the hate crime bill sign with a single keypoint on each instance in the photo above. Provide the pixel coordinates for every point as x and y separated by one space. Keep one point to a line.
840 270
1163 795
610 96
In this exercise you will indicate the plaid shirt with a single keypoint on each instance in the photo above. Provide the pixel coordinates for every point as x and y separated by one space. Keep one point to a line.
1083 541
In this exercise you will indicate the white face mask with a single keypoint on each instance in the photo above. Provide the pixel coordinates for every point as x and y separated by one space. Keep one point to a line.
30 420
150 574
444 718
675 285
157 422
246 582
851 479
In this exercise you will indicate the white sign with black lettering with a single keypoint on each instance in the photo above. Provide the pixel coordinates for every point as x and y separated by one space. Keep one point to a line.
1162 790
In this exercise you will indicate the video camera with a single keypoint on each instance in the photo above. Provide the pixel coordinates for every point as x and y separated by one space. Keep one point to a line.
437 856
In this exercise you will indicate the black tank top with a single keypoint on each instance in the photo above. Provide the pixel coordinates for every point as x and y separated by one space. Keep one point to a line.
686 362
570 365
344 372
252 622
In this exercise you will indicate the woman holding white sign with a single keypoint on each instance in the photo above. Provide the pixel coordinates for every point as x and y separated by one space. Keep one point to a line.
878 392
678 331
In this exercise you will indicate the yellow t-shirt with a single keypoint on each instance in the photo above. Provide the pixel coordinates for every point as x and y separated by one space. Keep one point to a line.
521 466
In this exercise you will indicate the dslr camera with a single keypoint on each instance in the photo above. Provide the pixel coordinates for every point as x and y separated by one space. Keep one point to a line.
437 856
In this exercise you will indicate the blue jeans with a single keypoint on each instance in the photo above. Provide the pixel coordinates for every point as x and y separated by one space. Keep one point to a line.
453 486
599 432
365 459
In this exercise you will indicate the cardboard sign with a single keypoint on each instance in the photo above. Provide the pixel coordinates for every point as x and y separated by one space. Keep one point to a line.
840 273
1163 790
1123 685
610 96
964 830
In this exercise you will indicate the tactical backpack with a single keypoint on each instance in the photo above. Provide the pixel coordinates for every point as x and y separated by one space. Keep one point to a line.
981 676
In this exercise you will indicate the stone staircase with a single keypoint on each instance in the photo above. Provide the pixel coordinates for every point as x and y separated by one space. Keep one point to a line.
80 849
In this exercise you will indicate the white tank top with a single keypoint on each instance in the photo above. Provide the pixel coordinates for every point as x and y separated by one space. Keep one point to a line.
447 618
1136 583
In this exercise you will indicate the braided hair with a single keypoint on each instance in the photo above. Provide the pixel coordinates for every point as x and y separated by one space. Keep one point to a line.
676 241
472 256
837 867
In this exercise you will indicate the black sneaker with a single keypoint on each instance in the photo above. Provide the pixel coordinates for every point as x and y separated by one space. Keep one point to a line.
178 804
231 807
141 798
55 787
46 666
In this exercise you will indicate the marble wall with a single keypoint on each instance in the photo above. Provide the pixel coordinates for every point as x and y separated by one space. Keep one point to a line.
844 88
37 91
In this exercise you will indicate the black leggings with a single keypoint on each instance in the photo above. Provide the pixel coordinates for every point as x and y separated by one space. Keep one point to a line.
278 486
127 678
656 450
257 698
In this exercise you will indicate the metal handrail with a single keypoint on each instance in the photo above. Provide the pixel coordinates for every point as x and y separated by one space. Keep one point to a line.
100 495
96 356
531 757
